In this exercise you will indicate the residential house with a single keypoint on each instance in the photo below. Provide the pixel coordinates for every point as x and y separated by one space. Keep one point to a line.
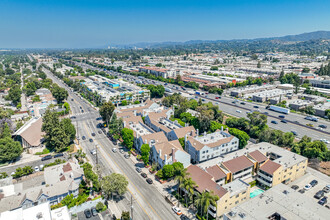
181 133
238 168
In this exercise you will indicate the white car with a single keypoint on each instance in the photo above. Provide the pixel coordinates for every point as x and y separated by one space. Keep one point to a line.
41 166
239 111
93 152
308 187
36 169
114 150
176 210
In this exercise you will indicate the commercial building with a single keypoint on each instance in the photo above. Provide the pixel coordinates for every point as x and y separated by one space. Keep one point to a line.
245 91
280 202
165 73
209 146
300 104
321 109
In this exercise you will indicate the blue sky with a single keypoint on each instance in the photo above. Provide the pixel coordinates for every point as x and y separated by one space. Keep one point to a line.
93 23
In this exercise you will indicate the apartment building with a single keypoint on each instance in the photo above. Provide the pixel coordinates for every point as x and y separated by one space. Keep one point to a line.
238 168
209 146
165 73
181 133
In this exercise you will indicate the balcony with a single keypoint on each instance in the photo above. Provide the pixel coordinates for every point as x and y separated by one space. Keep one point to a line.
213 214
264 182
270 179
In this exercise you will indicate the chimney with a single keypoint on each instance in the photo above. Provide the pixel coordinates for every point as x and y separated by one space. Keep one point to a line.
197 132
146 141
221 128
160 153
165 158
134 112
124 124
227 129
173 155
204 133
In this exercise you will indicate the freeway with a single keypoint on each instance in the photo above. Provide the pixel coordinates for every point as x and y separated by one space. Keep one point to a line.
148 202
295 122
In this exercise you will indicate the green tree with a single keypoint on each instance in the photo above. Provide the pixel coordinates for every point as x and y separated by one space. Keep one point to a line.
189 186
60 94
168 171
5 131
67 107
214 68
68 128
145 150
128 137
259 64
241 135
106 111
36 98
125 216
124 103
3 175
99 206
115 183
14 95
9 149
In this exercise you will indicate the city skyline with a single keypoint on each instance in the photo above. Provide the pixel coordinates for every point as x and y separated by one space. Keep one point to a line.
86 24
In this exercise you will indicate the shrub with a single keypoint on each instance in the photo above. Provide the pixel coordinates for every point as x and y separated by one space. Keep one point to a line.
99 206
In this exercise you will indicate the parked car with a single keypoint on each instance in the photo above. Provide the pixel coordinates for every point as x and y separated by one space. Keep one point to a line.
93 210
91 140
46 157
294 133
319 194
126 156
323 200
114 150
274 122
138 169
307 187
239 111
176 210
93 152
83 137
301 191
93 134
281 116
323 126
121 151
242 103
36 169
326 189
41 166
88 213
184 217
313 183
59 155
149 180
295 187
144 175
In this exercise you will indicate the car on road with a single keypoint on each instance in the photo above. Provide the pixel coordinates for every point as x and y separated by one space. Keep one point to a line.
294 133
82 111
217 97
238 111
323 126
177 210
36 169
295 187
307 187
126 156
325 141
203 100
284 121
242 103
144 175
313 183
319 194
138 169
323 200
255 106
149 180
73 117
93 152
310 125
93 210
71 99
48 157
59 155
93 134
274 122
266 113
114 150
80 107
91 140
88 213
83 137
281 116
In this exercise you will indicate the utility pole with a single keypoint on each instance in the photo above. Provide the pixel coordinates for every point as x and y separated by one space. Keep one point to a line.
132 207
77 131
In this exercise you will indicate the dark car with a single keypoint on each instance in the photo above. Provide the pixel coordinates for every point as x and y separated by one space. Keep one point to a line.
144 175
266 113
281 116
80 107
93 134
82 111
73 117
313 183
294 133
184 217
284 121
100 132
91 140
46 157
94 212
138 169
88 213
71 99
242 103
323 126
274 122
255 106
319 194
149 180
302 191
295 187
323 200
83 137
59 155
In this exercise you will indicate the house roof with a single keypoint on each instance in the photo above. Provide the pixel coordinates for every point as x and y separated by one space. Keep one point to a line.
158 137
216 172
270 167
237 164
166 148
70 171
204 181
258 156
198 145
33 134
181 132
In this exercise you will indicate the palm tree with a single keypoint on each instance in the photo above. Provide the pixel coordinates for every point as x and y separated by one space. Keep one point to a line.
180 178
189 187
199 202
209 199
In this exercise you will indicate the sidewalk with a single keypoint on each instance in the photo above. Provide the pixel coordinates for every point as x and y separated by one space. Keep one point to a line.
164 188
25 158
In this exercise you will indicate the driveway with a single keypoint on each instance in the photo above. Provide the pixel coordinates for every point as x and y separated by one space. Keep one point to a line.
81 216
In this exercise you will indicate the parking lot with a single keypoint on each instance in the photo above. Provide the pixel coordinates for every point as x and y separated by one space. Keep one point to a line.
311 175
81 216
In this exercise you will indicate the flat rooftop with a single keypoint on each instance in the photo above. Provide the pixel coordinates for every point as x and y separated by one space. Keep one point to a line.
236 186
212 138
280 199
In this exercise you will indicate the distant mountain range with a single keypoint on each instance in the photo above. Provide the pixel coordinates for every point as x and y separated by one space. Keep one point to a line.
311 36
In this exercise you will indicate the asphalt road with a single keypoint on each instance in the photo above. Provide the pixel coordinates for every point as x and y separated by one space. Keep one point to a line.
148 203
295 122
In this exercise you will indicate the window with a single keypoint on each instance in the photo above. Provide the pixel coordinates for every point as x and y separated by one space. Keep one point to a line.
236 202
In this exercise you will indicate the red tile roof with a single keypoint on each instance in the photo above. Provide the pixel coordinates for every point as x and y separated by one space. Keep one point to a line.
258 156
270 167
237 164
216 172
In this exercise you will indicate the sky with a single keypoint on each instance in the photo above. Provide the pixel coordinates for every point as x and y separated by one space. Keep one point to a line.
97 23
